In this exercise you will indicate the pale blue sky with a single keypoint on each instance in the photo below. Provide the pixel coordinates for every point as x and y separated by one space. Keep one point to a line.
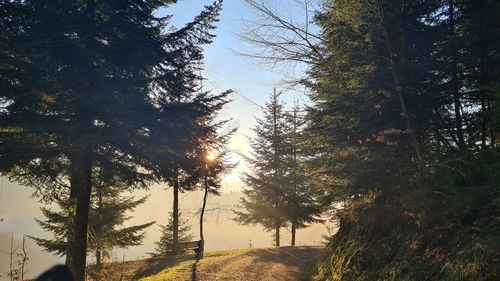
250 79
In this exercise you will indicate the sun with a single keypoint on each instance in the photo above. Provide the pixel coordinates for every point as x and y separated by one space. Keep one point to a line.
211 156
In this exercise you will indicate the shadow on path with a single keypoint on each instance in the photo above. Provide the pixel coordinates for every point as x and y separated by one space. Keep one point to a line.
193 271
156 265
289 256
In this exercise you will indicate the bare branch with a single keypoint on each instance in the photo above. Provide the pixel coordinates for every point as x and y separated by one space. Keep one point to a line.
282 38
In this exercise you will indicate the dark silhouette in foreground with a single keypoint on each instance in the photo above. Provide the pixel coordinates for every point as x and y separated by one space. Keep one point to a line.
56 273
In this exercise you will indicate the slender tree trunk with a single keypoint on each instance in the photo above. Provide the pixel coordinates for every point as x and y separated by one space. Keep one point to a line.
98 260
484 120
202 214
454 79
399 89
277 234
175 214
492 133
98 229
486 101
294 229
11 255
82 189
204 205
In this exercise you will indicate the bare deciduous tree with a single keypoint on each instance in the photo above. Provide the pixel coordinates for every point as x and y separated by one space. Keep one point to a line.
283 34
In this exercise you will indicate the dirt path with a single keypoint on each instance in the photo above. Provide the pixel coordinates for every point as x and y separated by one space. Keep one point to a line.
277 264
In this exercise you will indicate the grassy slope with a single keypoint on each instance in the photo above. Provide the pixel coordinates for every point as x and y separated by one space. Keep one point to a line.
178 268
448 231
183 270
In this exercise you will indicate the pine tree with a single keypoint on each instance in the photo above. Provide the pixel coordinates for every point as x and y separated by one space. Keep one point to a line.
93 89
404 103
166 245
108 213
213 155
422 61
180 165
302 202
264 201
372 109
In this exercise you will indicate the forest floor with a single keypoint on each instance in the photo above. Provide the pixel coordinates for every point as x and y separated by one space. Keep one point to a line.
266 264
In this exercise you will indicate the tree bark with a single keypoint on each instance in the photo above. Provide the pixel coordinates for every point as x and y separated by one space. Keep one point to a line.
70 236
399 89
205 196
99 228
98 260
82 186
202 214
294 229
175 214
277 234
454 79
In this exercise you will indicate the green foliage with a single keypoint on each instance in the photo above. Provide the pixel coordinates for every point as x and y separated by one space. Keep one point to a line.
264 197
277 191
449 231
108 213
302 206
100 84
165 246
401 136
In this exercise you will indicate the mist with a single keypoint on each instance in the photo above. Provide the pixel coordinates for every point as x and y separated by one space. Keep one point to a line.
18 210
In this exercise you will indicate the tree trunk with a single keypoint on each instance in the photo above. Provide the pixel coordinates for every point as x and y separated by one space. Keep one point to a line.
98 260
492 133
277 235
205 196
175 215
399 91
293 233
70 236
202 214
454 79
97 233
82 186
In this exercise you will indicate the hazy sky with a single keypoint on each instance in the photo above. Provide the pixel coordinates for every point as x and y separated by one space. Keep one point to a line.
224 70
251 80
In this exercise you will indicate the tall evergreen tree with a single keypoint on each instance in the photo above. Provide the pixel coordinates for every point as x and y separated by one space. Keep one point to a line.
70 87
109 211
302 202
399 130
187 170
264 201
166 246
398 92
371 110
213 154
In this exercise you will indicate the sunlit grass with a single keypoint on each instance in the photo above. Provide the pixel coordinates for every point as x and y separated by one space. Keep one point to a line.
184 270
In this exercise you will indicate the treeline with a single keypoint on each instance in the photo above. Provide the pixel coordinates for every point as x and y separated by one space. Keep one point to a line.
99 97
401 135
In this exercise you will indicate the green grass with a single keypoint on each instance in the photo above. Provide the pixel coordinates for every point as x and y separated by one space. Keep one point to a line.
184 270
172 268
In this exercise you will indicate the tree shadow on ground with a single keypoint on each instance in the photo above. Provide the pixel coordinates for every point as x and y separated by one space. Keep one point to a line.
156 265
289 256
193 270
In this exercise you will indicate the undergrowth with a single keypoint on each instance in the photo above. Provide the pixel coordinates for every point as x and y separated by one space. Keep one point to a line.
447 230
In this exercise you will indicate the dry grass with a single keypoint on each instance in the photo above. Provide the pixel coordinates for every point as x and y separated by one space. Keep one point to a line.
170 266
269 264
